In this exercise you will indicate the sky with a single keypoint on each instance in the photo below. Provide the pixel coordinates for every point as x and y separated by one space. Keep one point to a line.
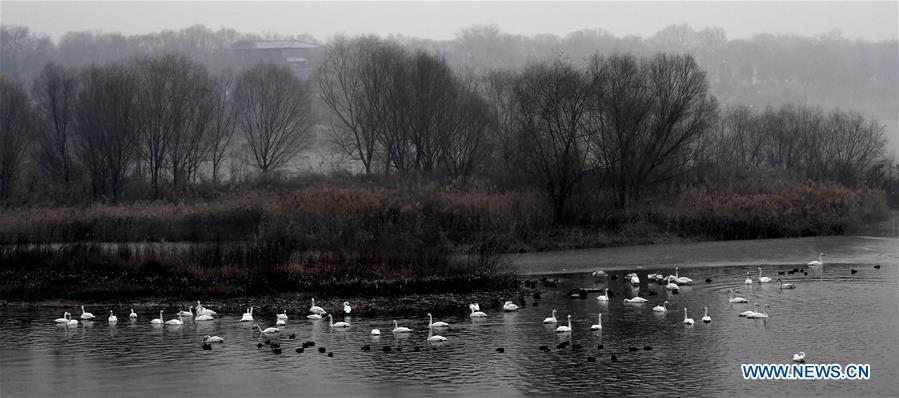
442 20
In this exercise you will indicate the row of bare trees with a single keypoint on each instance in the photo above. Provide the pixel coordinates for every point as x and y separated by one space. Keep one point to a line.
162 118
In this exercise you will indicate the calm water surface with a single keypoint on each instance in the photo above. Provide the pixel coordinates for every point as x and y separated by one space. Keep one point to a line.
833 315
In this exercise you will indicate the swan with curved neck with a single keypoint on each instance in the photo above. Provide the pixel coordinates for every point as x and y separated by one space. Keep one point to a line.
758 315
64 319
132 315
635 300
338 324
706 318
763 279
509 306
316 309
158 321
661 308
551 319
604 296
435 339
476 311
681 280
266 330
175 322
400 329
818 262
438 324
87 316
687 320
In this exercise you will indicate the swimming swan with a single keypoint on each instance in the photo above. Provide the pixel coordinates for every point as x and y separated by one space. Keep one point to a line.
282 315
800 357
763 279
213 339
661 308
551 319
784 285
818 262
563 328
435 339
604 296
133 314
476 311
510 306
635 300
338 324
598 325
86 315
158 321
266 330
346 307
316 309
706 318
733 299
64 319
247 316
681 280
749 312
175 322
437 324
687 320
112 318
758 315
400 329
748 279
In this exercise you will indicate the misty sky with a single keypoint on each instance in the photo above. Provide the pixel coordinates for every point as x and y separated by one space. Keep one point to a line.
441 20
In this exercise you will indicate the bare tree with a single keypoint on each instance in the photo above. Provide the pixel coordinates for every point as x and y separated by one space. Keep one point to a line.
107 126
274 113
54 92
16 125
221 124
552 107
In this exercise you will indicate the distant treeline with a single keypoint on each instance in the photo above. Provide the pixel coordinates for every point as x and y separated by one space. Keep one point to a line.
611 130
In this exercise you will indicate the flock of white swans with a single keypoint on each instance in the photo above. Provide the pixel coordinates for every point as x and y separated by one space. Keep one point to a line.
671 282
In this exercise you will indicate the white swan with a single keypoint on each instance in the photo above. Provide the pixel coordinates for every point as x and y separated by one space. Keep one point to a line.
563 328
758 315
346 307
476 311
672 286
733 299
748 279
604 296
316 309
400 329
706 318
635 300
661 308
158 321
551 319
204 311
687 320
338 324
282 315
763 279
266 330
655 277
280 322
247 316
800 357
818 262
64 319
784 285
681 280
749 312
175 322
86 315
510 306
189 312
213 339
598 325
133 314
633 279
112 318
437 324
314 316
435 339
203 317
375 332
71 322
599 274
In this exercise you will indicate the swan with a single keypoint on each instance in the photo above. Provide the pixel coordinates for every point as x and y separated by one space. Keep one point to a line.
551 319
338 324
818 262
758 315
71 322
510 306
733 299
435 339
375 332
133 314
266 330
681 280
314 316
604 296
280 322
175 322
655 277
763 279
189 312
672 286
563 328
476 311
86 315
635 300
661 308
599 274
203 317
64 319
633 279
316 309
282 315
784 285
748 279
598 325
749 312
687 320
706 318
204 311
112 318
247 316
346 307
213 339
800 357
158 321
400 329
437 324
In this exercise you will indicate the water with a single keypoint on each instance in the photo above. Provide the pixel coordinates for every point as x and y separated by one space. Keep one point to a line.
833 315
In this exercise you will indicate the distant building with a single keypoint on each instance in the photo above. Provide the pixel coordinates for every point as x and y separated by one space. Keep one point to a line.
298 55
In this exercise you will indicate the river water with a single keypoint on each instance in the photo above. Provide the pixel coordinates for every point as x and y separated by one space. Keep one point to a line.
834 316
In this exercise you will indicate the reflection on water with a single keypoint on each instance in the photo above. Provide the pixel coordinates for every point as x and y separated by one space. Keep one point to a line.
833 315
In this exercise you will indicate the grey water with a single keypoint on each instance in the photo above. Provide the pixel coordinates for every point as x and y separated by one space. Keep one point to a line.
834 316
